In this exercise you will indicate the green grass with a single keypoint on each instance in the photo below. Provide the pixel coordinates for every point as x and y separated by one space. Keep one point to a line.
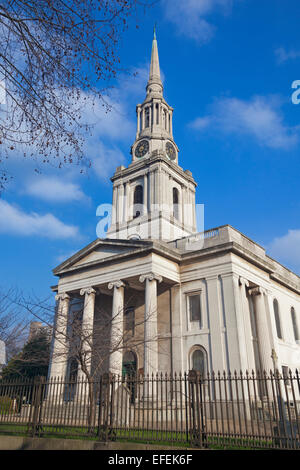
163 438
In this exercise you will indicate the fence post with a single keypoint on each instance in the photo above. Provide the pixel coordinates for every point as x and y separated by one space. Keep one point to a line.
34 425
105 419
197 433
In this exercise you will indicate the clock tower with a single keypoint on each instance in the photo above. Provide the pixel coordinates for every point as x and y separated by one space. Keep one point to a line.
154 198
154 117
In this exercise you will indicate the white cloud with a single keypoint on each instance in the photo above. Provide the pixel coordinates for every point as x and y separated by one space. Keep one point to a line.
286 248
190 16
259 118
17 222
53 189
201 123
106 161
282 55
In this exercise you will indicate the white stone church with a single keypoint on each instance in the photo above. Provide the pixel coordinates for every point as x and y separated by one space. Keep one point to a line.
211 301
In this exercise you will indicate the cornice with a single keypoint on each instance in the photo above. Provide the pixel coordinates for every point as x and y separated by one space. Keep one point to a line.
142 248
150 161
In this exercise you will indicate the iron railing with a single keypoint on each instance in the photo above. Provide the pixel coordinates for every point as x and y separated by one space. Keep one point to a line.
219 410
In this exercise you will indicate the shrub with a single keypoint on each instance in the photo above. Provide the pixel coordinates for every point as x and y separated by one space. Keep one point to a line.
6 405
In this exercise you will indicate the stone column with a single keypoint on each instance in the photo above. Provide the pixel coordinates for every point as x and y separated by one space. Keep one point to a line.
243 285
154 113
116 341
114 206
156 188
59 357
120 203
87 329
138 120
216 324
143 119
182 205
126 185
150 323
145 199
265 349
188 209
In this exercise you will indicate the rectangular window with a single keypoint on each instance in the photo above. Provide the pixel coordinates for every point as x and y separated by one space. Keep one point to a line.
129 320
195 308
295 325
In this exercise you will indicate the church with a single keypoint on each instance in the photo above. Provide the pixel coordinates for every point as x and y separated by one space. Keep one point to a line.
209 301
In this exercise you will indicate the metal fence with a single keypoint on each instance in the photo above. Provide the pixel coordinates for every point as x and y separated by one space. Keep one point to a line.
216 411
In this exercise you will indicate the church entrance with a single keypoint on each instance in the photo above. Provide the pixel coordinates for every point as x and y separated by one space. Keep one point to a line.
129 369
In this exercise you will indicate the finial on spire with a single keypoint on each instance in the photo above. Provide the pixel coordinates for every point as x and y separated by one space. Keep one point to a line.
154 31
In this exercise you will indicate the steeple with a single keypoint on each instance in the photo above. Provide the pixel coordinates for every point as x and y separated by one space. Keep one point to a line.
154 76
154 117
153 198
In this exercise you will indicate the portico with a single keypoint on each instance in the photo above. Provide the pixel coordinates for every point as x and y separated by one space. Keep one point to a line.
138 288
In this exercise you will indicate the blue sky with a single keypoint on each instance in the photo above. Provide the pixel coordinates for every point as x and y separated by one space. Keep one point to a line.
228 68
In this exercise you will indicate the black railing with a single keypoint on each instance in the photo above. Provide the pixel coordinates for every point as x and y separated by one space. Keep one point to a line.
216 411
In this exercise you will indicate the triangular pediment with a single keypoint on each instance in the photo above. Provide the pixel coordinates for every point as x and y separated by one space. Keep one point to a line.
100 250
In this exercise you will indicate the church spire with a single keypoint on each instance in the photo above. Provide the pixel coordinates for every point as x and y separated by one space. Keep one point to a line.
154 132
154 82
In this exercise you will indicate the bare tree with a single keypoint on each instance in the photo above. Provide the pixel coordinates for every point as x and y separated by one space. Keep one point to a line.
13 322
53 54
89 350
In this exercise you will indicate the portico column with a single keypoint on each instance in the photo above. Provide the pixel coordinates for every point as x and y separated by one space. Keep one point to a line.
263 334
87 329
150 323
116 337
59 357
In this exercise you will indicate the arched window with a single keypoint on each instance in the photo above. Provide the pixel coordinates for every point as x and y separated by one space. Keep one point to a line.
175 203
199 360
277 318
295 324
157 113
147 117
137 200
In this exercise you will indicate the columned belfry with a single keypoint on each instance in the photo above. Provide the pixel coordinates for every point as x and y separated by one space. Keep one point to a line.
154 198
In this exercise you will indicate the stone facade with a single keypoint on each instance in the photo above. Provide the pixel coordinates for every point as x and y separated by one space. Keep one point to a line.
213 301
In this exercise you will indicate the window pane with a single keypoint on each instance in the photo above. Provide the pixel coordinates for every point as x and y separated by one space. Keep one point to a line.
195 309
175 203
277 319
198 361
295 326
138 195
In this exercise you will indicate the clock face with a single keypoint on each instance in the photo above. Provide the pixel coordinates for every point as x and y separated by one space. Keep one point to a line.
170 151
142 148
